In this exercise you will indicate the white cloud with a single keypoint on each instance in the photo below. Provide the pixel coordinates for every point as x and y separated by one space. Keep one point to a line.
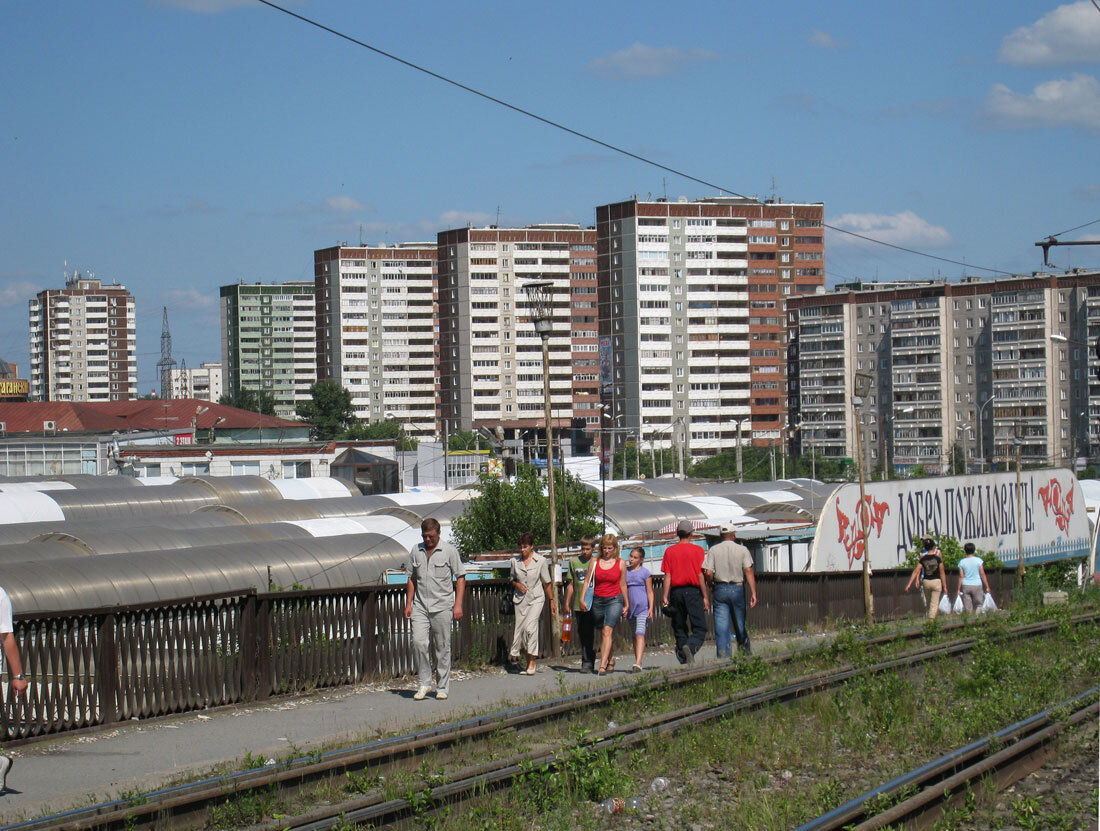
825 40
1065 103
641 61
206 6
905 228
15 291
190 299
1068 35
344 204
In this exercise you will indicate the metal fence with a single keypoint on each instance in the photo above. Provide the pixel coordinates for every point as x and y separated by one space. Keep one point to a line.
99 666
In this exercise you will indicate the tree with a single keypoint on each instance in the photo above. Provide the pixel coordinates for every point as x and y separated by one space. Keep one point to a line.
502 510
465 440
951 550
382 431
329 410
255 401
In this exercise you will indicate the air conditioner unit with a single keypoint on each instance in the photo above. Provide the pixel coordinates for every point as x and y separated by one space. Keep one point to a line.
49 425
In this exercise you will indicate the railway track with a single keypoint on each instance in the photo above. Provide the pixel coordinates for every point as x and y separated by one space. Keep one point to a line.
188 805
1005 757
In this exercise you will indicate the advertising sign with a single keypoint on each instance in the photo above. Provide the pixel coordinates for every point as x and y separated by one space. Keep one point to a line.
183 438
978 509
14 388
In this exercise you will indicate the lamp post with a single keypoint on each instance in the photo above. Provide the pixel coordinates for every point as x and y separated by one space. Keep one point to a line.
981 445
400 446
861 384
540 299
1019 515
740 468
961 431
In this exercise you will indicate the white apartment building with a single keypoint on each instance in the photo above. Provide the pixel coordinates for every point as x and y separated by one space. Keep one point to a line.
203 382
377 329
491 366
692 304
83 342
972 371
269 341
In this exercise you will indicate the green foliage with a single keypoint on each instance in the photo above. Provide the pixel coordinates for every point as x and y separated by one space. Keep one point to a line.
255 401
1060 575
382 431
466 440
1087 473
952 551
633 462
502 511
329 410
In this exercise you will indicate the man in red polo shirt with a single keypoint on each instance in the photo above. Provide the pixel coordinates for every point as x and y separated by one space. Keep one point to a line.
685 592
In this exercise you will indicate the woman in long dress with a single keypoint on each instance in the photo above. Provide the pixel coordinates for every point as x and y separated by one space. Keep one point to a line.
529 570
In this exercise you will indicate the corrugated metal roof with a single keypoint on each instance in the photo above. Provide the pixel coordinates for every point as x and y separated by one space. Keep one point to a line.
146 414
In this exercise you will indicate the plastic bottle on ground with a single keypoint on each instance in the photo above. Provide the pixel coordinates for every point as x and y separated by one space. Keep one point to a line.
659 784
615 805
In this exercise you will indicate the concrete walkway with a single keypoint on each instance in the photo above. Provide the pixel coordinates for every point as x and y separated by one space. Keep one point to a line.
75 771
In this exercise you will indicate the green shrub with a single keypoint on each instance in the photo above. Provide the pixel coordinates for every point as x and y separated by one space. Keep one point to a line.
952 551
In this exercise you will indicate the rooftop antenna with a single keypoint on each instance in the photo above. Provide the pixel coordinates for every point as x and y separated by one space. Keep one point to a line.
773 189
181 387
360 234
166 363
498 216
664 187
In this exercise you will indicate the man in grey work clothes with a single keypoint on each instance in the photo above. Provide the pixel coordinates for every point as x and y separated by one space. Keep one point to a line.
728 566
437 582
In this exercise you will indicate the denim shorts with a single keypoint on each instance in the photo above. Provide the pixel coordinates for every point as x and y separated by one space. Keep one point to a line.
607 611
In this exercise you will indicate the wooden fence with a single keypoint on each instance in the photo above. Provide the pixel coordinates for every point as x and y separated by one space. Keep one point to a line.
99 666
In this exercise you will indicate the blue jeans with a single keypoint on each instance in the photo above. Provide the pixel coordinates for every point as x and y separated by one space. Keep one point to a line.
729 602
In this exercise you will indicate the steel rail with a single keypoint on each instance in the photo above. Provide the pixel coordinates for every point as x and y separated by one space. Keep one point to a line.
193 797
940 777
373 808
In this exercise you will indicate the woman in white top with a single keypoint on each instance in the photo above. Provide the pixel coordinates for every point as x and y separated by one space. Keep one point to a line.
973 583
529 570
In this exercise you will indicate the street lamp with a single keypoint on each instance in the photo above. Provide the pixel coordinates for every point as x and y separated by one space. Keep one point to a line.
391 416
888 470
981 445
740 469
961 430
540 300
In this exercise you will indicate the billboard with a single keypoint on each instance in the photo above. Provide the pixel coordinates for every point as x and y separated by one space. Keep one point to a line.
14 388
978 509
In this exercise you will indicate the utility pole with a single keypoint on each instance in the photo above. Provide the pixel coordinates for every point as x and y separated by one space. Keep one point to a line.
740 466
861 384
771 454
1019 521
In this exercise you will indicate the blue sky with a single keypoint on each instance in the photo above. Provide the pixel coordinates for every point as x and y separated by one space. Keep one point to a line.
179 145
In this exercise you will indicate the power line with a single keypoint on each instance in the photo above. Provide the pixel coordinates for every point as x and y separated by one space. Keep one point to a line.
1086 225
590 138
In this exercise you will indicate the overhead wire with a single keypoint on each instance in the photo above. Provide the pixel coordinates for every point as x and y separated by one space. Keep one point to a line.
1077 227
600 142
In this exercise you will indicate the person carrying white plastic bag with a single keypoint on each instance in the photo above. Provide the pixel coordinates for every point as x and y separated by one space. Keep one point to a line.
973 584
988 605
957 606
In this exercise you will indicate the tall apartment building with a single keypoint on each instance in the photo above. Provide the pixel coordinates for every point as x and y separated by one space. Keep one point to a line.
203 382
376 330
269 341
83 342
692 315
490 368
984 367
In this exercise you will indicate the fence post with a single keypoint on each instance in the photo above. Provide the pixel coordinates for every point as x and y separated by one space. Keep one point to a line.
264 672
822 601
247 639
106 670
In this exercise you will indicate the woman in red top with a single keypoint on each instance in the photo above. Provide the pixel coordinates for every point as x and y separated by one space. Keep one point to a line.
610 603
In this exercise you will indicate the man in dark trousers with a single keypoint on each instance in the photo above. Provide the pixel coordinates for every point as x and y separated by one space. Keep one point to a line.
685 593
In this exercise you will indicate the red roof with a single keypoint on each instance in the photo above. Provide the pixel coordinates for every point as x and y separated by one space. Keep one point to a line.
146 414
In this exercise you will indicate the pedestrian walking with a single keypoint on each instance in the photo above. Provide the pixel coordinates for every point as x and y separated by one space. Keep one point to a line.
433 599
685 592
531 587
607 575
15 671
728 565
973 583
929 572
639 593
584 621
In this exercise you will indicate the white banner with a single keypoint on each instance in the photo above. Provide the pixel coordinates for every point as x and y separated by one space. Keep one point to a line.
979 509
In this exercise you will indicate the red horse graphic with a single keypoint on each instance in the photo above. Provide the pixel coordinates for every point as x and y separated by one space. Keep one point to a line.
851 533
1053 500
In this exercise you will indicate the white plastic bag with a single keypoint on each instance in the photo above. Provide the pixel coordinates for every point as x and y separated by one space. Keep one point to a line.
945 604
989 605
957 608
